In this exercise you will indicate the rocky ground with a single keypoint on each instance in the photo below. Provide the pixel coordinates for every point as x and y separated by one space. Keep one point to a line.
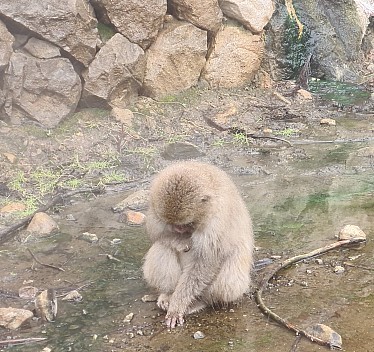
97 153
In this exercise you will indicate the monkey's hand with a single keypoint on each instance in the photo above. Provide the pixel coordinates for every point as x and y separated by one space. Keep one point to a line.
173 319
163 301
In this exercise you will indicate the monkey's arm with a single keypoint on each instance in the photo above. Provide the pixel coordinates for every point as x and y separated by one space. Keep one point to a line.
160 232
195 278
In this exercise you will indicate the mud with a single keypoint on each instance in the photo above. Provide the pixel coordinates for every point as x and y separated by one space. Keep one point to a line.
299 198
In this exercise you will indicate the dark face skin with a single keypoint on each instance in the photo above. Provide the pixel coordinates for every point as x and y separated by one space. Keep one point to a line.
186 229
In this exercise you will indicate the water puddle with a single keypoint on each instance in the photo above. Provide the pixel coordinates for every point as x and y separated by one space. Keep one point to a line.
341 93
297 205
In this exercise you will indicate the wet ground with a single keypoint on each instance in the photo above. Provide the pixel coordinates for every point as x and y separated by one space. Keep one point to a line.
299 198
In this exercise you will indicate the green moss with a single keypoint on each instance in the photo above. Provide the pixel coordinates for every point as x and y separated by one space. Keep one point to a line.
296 47
105 32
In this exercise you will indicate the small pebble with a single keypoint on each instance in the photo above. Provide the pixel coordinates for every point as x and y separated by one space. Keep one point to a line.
128 318
339 269
328 122
89 237
319 261
198 335
149 298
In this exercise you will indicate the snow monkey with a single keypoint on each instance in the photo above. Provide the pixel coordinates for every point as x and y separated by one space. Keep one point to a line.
202 240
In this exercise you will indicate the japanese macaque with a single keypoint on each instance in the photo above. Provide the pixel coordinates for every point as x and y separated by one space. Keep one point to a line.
202 240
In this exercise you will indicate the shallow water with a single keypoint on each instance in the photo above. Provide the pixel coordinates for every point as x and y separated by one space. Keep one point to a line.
297 205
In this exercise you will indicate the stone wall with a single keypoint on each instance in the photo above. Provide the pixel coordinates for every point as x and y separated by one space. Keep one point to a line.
56 56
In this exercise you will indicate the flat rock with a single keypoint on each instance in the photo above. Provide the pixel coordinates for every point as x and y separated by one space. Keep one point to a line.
13 207
13 318
135 201
181 150
351 231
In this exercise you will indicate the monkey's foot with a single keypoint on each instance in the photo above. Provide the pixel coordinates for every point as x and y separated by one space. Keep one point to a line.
172 320
163 301
196 307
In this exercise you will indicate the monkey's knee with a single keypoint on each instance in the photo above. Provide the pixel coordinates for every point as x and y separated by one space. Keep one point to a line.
161 268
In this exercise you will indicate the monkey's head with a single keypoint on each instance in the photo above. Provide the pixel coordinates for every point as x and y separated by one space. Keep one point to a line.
181 200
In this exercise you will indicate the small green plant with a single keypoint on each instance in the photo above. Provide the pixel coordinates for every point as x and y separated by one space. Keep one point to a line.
241 138
18 183
112 177
287 132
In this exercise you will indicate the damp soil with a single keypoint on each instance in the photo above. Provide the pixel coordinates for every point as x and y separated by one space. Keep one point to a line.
299 197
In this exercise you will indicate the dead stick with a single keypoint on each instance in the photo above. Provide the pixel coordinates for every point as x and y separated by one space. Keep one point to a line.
47 265
235 130
21 341
286 263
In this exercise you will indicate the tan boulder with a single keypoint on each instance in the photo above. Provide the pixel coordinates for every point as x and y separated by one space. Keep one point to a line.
235 58
138 20
44 90
204 14
254 14
13 318
116 73
42 224
175 59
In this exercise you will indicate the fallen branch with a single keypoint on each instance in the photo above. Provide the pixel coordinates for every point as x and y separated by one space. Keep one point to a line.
267 311
235 130
21 341
43 264
7 233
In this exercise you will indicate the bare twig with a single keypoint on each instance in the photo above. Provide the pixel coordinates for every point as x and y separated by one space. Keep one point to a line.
24 341
43 264
267 311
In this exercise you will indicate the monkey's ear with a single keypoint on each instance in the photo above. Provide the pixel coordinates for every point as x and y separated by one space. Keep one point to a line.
205 198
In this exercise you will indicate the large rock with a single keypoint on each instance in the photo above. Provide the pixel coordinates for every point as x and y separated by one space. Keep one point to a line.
6 42
254 14
337 29
69 24
13 318
235 58
205 14
175 59
45 90
41 49
137 20
116 73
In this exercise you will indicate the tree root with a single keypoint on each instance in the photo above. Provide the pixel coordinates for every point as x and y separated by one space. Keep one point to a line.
267 311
